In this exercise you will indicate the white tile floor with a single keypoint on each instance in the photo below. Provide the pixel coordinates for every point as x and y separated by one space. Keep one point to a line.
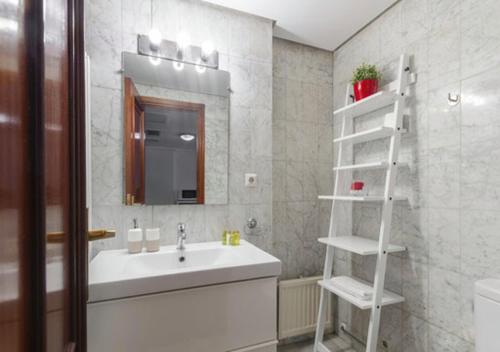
334 343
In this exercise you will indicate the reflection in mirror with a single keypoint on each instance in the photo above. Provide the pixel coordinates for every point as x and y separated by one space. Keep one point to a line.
174 150
176 140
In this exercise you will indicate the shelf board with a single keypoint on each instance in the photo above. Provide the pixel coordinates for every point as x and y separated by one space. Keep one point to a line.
343 291
369 104
367 166
366 136
358 245
360 198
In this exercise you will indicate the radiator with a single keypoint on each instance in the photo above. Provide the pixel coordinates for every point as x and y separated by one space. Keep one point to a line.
298 307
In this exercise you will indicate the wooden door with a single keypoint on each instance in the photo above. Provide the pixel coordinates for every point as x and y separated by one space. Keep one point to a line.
42 283
134 144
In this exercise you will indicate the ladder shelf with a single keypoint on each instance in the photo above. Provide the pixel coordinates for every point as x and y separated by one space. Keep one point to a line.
359 293
345 288
372 103
361 198
367 136
368 166
358 245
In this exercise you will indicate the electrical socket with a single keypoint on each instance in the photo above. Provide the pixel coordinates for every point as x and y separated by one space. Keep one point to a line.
250 180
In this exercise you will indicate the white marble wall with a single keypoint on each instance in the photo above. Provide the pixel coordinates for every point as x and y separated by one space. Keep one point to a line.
245 46
302 154
450 225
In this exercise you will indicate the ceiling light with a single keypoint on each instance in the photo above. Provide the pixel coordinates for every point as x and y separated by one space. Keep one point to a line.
179 66
207 48
183 41
187 137
155 37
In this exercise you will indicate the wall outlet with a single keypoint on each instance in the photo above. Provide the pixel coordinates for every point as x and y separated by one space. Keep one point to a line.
250 180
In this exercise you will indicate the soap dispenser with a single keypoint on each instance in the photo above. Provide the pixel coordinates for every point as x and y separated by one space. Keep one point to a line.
135 239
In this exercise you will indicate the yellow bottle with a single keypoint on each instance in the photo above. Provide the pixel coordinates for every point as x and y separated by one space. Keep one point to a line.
235 238
225 235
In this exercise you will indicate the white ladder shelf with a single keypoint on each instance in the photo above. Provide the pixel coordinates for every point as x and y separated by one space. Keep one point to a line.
348 288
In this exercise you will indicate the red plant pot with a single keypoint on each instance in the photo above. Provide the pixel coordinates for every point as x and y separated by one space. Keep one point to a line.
365 88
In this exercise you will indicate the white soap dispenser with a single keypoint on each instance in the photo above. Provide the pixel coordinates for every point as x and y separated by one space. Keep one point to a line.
135 239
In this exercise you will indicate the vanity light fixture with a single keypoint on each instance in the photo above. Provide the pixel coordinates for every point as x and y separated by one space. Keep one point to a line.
187 137
180 51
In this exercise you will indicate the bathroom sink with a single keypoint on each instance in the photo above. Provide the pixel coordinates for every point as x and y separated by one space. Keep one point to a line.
117 274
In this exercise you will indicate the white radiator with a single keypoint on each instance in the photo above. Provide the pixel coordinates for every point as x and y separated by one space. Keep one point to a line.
298 307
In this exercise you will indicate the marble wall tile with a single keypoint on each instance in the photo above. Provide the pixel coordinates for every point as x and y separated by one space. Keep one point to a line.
294 181
479 175
480 107
109 32
443 119
444 177
414 20
107 121
415 334
452 177
467 307
442 341
480 44
444 239
415 288
302 98
444 299
480 245
107 175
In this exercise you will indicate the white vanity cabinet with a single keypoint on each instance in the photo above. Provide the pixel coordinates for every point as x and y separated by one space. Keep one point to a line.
235 312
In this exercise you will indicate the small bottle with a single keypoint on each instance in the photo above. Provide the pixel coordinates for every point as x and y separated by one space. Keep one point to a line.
153 240
225 237
235 238
134 239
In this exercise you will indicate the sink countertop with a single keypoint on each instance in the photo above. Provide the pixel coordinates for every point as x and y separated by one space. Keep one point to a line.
115 274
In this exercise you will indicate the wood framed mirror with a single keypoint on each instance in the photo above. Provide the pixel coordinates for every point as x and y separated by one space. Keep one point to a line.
164 149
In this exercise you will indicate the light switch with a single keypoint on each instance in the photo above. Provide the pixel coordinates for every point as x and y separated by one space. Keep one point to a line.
250 180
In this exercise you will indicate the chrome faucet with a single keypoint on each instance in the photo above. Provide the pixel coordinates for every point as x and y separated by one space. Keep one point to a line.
181 236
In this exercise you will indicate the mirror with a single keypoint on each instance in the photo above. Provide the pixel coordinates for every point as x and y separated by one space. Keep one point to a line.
176 133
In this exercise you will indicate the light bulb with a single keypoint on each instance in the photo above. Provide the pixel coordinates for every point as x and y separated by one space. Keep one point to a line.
200 68
179 66
155 61
155 37
207 48
183 41
187 137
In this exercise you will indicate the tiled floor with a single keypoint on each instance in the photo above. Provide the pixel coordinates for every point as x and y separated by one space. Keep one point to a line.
334 343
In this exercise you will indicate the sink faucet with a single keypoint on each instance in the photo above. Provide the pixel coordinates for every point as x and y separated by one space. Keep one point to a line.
181 236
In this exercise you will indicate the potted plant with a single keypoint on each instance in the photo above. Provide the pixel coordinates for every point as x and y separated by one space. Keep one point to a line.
365 81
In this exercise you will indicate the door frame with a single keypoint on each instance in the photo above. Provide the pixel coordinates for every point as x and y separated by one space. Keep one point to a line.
78 206
36 247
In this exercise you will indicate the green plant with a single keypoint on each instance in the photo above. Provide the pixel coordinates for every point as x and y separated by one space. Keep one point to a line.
365 71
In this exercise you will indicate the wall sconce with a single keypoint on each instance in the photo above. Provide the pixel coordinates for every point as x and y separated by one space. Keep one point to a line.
181 51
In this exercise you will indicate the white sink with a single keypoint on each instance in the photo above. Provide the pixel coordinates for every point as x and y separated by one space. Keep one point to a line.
117 274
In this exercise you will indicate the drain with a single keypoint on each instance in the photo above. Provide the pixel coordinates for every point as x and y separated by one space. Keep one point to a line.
182 258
